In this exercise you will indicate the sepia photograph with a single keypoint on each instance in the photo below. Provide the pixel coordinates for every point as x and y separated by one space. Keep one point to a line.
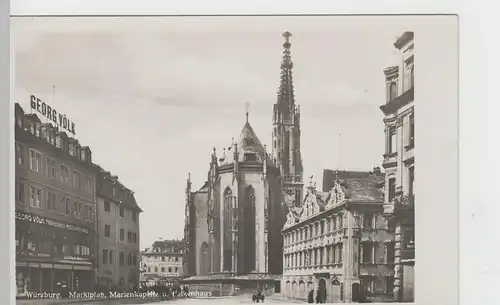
218 159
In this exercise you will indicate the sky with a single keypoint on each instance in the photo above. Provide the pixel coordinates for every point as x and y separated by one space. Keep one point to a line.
153 96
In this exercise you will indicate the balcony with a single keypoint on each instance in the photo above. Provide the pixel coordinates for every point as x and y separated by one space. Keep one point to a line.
400 203
398 102
390 160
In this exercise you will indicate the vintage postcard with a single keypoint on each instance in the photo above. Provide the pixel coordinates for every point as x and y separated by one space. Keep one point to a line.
233 159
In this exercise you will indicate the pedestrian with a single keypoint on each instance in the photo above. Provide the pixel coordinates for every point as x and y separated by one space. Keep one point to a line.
310 297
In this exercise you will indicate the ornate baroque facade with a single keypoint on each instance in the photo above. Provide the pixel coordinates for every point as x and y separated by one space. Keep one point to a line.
399 162
338 241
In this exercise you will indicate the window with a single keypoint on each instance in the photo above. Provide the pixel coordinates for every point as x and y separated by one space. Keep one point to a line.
162 269
104 257
250 157
90 213
122 234
176 258
163 258
122 212
64 174
129 259
389 285
411 174
368 285
368 252
391 145
122 259
412 77
134 216
51 167
340 253
129 237
176 269
107 230
51 201
134 260
67 207
35 161
72 149
111 257
89 186
368 221
35 196
393 91
412 129
169 269
19 154
156 269
114 191
389 253
77 179
107 206
392 189
20 195
77 211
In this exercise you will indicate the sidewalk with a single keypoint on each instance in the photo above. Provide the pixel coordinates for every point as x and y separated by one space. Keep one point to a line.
277 297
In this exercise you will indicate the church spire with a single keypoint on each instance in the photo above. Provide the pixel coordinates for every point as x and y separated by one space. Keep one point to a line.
286 92
286 128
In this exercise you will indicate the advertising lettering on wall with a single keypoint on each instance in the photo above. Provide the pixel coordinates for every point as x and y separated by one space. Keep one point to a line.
50 222
50 113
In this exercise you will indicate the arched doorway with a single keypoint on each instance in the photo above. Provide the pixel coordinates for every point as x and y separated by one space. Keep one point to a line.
302 290
334 294
294 289
322 289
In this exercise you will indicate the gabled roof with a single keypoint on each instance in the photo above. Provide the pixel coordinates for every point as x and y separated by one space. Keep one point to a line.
250 143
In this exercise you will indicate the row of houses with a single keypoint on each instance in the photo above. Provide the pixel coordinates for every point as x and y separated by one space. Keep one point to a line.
77 225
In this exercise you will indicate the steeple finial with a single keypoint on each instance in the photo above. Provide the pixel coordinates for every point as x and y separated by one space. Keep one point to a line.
247 105
287 36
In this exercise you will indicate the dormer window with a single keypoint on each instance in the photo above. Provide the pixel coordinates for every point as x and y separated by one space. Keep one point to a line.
58 142
250 157
72 149
83 154
37 130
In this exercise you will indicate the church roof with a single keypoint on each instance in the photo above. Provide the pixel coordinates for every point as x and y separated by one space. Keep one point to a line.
250 143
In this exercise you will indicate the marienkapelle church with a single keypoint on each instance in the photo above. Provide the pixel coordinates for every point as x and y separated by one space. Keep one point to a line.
234 221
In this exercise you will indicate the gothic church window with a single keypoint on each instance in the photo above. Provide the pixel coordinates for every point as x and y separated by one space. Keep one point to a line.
228 217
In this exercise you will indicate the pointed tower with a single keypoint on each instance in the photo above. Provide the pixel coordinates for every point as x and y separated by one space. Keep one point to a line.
286 129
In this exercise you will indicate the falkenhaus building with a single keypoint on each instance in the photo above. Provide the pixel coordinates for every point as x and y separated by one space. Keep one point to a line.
55 206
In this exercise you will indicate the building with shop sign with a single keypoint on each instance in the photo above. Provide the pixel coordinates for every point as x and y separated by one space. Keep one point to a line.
118 234
339 242
162 264
55 205
399 164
